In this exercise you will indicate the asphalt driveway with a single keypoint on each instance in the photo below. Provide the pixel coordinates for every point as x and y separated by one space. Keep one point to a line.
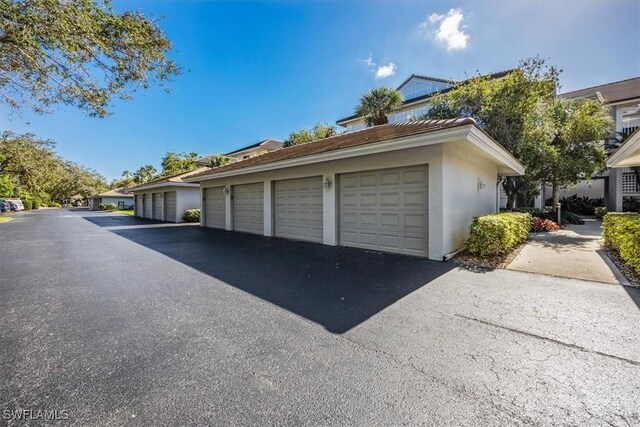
117 320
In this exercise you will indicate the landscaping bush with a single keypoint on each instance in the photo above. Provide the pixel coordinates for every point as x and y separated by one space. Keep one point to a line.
622 234
581 205
191 215
28 204
111 207
543 224
630 204
102 207
498 234
601 212
37 203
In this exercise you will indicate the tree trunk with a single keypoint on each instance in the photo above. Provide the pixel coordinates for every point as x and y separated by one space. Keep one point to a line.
555 189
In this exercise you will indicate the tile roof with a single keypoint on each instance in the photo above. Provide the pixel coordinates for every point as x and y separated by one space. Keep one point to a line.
168 179
350 139
116 192
611 92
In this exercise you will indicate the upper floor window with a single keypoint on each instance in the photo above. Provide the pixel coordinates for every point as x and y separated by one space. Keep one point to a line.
419 87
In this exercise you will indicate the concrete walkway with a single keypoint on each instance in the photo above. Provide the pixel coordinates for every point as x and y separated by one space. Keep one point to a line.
573 252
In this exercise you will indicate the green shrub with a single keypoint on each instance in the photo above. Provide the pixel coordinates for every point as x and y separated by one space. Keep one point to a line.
111 207
498 234
37 203
580 205
191 215
102 207
28 204
631 204
600 212
622 233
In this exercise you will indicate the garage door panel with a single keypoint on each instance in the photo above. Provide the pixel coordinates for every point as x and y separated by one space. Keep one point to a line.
148 206
157 205
391 215
215 208
298 209
248 208
170 206
139 211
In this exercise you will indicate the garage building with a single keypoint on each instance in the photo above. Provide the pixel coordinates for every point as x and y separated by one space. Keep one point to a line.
411 188
167 198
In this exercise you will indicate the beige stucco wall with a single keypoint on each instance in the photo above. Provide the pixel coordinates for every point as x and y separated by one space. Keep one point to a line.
454 197
469 182
186 198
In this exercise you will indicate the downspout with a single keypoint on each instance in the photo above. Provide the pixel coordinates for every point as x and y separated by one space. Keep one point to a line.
500 179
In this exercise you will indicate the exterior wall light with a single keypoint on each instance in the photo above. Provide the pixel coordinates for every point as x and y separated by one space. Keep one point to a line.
481 184
326 182
225 190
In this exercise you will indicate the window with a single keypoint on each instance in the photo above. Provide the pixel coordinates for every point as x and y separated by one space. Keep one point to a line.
629 184
420 87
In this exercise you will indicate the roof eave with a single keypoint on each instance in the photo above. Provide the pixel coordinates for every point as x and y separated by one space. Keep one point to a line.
505 160
628 155
162 185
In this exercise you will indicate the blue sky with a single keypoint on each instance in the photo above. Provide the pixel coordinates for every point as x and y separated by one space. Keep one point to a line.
264 69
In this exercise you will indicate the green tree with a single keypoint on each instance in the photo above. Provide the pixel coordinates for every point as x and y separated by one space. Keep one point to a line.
302 136
144 174
510 110
573 150
126 180
6 187
216 161
36 172
175 163
77 52
377 103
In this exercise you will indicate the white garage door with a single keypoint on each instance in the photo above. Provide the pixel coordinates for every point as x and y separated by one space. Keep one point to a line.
385 210
157 205
139 205
170 206
214 208
248 212
147 205
298 209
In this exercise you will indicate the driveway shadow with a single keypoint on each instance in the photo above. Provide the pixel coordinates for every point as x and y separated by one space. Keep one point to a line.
634 293
336 287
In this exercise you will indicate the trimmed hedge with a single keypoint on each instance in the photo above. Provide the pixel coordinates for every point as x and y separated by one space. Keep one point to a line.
498 234
191 215
622 233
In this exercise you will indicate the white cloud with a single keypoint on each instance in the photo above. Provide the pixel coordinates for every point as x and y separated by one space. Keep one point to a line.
386 70
450 29
369 62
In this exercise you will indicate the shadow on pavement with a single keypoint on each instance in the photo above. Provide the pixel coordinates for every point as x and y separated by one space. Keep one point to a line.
634 293
334 286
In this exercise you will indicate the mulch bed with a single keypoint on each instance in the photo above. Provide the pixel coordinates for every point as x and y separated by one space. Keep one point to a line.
479 264
628 272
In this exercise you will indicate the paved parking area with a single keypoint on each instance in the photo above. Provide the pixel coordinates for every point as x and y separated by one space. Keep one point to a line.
118 320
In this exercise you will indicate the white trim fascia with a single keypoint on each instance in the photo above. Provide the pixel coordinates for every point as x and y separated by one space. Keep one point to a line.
627 101
616 160
460 133
486 144
163 185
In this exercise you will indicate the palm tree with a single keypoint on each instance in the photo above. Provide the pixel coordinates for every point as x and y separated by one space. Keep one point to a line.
216 161
377 103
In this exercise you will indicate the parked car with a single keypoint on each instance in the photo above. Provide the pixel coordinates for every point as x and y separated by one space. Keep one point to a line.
18 203
12 206
4 206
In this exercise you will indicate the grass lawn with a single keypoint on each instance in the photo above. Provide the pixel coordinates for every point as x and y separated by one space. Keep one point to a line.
127 212
5 219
